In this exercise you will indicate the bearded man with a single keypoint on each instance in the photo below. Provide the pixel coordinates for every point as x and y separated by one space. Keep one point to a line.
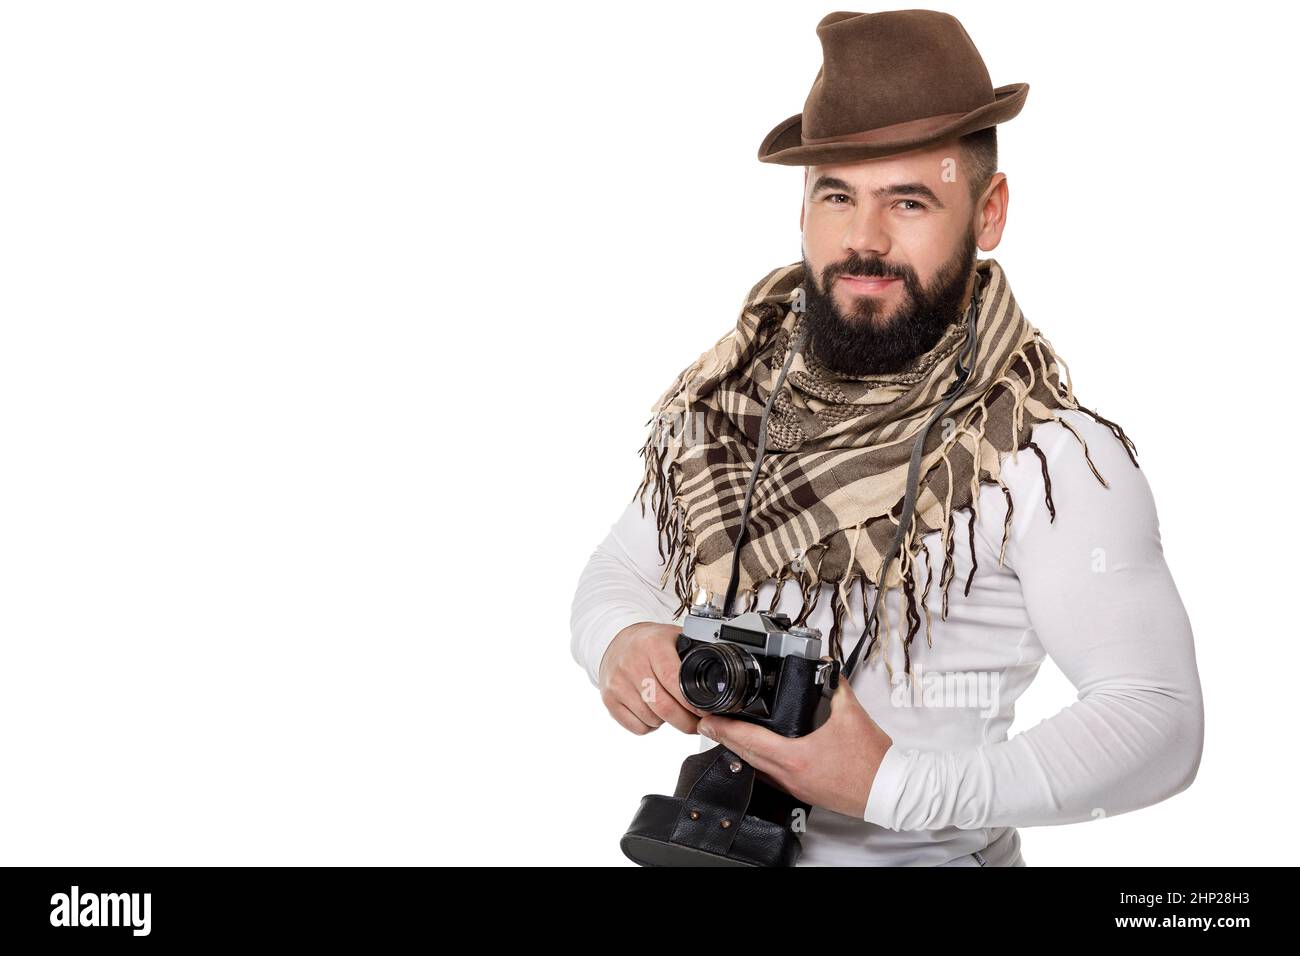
777 478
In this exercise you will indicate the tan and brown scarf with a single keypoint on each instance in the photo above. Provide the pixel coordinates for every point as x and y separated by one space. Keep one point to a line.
829 495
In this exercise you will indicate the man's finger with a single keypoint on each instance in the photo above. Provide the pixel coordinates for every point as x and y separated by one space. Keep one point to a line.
757 746
662 706
628 719
667 667
667 707
634 698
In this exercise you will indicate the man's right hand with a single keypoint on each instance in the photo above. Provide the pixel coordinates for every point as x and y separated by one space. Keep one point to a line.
638 680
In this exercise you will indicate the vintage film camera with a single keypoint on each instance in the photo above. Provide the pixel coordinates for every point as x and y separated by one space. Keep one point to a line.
756 667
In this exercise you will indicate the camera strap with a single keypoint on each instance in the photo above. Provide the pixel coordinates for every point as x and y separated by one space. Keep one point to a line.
795 347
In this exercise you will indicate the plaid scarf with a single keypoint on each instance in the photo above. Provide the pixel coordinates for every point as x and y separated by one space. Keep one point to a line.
829 495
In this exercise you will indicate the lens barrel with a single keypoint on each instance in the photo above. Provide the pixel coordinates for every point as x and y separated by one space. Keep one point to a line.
720 678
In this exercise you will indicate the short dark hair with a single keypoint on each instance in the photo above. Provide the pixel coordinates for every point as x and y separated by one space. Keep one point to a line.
979 151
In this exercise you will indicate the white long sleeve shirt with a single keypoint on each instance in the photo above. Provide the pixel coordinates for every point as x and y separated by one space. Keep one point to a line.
1090 588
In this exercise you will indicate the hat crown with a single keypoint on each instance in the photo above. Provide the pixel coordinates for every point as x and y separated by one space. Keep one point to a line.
889 83
880 69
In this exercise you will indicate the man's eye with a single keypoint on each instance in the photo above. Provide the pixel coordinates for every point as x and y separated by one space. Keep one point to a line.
916 204
836 196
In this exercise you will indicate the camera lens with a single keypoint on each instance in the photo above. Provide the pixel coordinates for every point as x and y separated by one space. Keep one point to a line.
720 678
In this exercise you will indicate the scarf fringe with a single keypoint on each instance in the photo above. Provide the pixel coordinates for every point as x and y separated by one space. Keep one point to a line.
810 585
675 539
780 586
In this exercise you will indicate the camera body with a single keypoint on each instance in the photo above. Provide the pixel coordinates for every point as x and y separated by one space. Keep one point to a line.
756 667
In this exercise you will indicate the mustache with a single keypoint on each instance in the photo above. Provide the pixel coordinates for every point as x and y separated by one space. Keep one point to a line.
873 269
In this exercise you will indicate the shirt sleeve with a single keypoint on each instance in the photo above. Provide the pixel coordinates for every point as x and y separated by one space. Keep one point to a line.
1103 604
618 587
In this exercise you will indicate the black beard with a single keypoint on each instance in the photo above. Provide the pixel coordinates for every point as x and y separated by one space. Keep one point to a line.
867 343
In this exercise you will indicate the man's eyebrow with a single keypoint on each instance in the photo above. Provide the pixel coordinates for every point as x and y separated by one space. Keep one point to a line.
898 189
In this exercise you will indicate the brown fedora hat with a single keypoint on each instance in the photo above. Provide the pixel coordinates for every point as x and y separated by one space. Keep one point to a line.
890 82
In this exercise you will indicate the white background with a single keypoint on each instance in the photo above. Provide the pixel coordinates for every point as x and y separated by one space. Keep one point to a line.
330 333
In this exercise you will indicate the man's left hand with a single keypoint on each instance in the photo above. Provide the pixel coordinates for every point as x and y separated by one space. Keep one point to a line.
833 767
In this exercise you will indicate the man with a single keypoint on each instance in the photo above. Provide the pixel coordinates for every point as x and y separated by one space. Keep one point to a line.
1034 503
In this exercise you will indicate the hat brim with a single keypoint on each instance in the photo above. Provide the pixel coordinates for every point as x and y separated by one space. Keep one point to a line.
784 144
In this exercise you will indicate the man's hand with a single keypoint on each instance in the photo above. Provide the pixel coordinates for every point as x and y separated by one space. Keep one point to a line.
638 680
833 767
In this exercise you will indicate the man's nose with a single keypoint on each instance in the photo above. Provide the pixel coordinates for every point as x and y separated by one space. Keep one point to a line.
867 235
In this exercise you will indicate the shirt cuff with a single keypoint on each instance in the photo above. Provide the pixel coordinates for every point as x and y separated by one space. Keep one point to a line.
887 789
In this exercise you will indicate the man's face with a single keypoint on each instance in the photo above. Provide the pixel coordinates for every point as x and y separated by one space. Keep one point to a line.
889 245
